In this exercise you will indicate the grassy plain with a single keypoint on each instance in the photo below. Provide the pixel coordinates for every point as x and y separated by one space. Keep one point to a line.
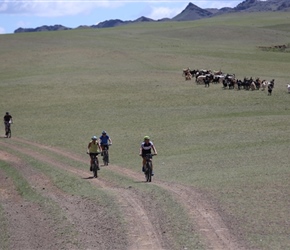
63 87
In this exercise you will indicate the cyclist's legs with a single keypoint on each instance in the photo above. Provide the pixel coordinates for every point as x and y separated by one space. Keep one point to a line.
143 163
143 160
92 158
6 127
104 146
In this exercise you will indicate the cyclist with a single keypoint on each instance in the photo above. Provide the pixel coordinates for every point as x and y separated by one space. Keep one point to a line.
145 148
7 120
93 148
105 140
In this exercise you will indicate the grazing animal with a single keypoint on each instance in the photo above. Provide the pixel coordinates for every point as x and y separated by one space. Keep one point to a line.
240 84
229 82
270 88
264 85
216 79
186 73
258 83
206 81
253 86
200 79
288 87
188 76
193 72
247 83
215 72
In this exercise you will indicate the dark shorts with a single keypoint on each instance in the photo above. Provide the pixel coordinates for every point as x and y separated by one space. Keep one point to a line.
104 146
144 155
92 155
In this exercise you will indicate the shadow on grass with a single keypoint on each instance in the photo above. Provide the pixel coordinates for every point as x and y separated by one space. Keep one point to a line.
140 181
88 178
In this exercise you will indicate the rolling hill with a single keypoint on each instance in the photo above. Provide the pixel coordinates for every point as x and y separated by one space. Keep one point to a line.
191 12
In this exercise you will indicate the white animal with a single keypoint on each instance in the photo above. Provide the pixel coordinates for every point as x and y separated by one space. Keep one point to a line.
288 87
264 84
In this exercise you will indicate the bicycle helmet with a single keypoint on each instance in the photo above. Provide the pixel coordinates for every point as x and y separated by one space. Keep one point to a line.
104 132
146 137
94 138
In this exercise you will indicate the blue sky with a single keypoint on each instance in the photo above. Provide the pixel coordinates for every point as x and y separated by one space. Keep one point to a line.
72 13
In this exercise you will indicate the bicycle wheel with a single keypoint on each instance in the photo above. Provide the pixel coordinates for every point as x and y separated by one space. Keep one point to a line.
9 133
106 158
148 172
95 170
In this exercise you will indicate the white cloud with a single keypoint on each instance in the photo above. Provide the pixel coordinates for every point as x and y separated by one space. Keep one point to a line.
23 24
163 12
158 12
218 4
3 7
2 30
53 8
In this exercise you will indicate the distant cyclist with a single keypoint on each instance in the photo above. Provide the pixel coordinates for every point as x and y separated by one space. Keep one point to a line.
7 120
105 140
145 148
93 148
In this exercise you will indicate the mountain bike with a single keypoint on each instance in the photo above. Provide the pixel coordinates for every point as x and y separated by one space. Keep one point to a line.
95 164
8 129
148 167
106 155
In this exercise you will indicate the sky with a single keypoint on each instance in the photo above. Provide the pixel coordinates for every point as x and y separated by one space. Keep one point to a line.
73 13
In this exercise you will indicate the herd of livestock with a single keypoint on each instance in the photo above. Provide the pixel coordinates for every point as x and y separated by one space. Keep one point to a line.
228 80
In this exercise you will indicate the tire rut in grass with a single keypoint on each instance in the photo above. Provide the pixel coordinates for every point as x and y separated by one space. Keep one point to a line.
85 216
209 223
29 225
141 234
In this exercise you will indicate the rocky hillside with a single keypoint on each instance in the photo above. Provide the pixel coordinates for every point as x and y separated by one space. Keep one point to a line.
258 6
191 12
42 28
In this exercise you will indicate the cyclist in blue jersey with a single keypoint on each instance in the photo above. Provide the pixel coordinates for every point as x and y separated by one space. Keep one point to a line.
145 148
105 140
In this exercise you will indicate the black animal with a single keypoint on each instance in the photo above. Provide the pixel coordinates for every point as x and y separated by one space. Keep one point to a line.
216 79
270 88
240 84
247 83
206 81
229 83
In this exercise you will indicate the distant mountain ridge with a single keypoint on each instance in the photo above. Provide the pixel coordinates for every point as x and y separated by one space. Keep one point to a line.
191 12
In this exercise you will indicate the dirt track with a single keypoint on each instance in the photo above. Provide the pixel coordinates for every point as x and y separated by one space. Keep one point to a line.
38 230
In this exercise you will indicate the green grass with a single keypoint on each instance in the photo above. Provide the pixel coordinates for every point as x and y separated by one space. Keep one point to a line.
25 190
75 186
175 219
4 239
64 87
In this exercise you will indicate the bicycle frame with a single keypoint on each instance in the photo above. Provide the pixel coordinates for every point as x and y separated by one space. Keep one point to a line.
106 154
95 164
8 129
148 167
